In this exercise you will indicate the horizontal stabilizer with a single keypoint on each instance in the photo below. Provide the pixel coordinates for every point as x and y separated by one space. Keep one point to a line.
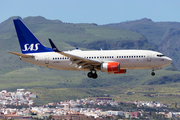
20 54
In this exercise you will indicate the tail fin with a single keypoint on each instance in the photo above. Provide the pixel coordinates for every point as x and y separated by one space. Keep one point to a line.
28 42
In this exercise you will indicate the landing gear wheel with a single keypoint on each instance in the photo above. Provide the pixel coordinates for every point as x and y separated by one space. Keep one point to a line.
94 76
90 74
153 73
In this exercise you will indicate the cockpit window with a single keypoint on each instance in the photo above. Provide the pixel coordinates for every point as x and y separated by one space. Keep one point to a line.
160 55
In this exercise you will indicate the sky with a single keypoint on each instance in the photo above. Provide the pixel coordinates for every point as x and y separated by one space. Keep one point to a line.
93 11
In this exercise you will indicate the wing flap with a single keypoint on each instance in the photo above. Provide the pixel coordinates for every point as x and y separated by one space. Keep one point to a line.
74 57
80 61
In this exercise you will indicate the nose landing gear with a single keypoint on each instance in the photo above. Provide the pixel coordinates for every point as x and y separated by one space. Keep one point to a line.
153 73
157 68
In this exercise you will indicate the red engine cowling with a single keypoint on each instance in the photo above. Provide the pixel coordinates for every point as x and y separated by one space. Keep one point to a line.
110 67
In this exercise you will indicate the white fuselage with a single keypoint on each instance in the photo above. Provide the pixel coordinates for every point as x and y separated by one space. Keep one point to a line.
128 59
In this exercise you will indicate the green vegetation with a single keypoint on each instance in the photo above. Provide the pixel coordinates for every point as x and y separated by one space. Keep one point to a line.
58 85
164 35
167 94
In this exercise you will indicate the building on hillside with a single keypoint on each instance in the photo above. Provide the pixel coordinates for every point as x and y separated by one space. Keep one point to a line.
116 113
74 117
66 107
32 95
20 90
135 114
128 115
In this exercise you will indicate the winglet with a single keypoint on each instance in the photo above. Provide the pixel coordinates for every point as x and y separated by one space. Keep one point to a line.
55 49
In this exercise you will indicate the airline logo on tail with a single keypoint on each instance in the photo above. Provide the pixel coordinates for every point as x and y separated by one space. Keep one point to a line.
31 47
28 42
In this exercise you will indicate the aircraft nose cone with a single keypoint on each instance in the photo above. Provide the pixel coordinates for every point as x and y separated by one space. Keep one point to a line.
169 60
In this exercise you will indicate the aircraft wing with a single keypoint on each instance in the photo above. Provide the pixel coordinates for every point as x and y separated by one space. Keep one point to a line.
80 61
20 54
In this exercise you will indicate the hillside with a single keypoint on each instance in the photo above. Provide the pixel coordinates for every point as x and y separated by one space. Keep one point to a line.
164 35
66 36
18 74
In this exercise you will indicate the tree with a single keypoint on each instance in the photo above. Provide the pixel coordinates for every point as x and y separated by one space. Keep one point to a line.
50 117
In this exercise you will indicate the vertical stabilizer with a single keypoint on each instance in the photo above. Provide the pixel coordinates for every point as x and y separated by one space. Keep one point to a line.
28 42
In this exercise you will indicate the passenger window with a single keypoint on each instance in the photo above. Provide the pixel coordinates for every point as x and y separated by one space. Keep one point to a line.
127 56
112 57
117 56
97 57
122 56
107 56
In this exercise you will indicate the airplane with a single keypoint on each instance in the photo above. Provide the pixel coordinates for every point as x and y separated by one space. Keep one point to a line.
110 61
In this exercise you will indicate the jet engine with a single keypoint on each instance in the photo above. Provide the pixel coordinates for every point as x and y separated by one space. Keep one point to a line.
112 68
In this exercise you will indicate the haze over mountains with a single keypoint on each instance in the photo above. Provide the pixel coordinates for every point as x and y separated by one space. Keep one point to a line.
138 34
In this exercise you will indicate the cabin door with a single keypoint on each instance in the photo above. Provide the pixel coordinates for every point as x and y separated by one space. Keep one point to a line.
46 59
149 58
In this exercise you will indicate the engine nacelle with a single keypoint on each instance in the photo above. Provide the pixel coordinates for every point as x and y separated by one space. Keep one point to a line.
110 67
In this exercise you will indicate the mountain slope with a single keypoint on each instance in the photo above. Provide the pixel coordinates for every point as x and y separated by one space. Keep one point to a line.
66 37
155 32
164 35
16 74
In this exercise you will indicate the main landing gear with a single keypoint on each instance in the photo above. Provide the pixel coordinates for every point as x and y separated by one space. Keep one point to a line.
92 74
153 73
